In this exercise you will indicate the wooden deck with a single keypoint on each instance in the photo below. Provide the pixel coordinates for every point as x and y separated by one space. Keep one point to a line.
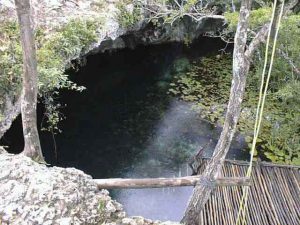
274 197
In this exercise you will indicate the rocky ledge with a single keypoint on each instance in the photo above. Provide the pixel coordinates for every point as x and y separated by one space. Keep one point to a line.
33 193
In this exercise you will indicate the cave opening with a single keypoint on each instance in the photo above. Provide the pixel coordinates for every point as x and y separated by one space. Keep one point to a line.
126 125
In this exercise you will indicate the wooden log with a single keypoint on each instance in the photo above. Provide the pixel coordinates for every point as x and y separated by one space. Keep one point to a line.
115 183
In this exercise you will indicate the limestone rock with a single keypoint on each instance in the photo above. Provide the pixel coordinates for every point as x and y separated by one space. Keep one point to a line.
32 193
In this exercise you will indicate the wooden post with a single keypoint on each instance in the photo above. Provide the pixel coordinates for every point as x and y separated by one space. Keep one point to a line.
169 182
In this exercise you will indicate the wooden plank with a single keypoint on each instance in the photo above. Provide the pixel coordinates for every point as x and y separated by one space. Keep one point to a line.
115 183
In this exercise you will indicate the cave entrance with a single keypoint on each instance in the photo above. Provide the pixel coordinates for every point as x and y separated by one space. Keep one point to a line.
125 124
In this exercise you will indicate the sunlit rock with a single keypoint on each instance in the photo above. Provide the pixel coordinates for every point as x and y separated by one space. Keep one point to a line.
33 193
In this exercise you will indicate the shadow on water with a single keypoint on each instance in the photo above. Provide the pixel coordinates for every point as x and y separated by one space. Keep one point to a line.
125 125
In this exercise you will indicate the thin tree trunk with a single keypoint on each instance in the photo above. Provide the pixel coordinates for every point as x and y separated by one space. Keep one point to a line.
32 146
290 62
240 70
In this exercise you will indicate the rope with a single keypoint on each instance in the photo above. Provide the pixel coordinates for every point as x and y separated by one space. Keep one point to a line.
260 108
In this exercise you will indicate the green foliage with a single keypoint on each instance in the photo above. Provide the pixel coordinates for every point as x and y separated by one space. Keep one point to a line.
279 139
232 19
288 42
188 4
52 112
10 60
125 17
208 82
54 52
283 143
258 17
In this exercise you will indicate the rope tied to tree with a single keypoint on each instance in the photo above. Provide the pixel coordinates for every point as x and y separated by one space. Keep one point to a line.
241 219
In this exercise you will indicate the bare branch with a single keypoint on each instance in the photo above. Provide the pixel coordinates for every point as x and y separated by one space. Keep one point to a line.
290 61
172 13
260 38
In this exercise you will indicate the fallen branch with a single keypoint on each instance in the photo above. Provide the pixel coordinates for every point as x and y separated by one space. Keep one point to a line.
169 182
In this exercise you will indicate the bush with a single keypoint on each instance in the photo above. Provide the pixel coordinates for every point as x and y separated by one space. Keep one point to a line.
126 17
54 53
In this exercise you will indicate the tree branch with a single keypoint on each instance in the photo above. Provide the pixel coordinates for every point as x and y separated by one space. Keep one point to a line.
260 38
290 61
171 13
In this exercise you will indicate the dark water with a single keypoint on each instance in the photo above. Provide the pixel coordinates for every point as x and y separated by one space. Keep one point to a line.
125 125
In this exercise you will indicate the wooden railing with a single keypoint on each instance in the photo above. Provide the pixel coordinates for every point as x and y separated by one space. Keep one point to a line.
170 182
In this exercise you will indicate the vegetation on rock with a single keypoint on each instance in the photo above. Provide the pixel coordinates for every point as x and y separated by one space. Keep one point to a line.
54 53
129 13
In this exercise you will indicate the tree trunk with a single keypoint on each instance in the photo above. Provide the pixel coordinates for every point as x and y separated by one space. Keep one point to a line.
32 146
240 70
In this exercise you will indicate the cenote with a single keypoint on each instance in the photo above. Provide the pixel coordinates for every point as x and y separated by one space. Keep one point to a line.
125 124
